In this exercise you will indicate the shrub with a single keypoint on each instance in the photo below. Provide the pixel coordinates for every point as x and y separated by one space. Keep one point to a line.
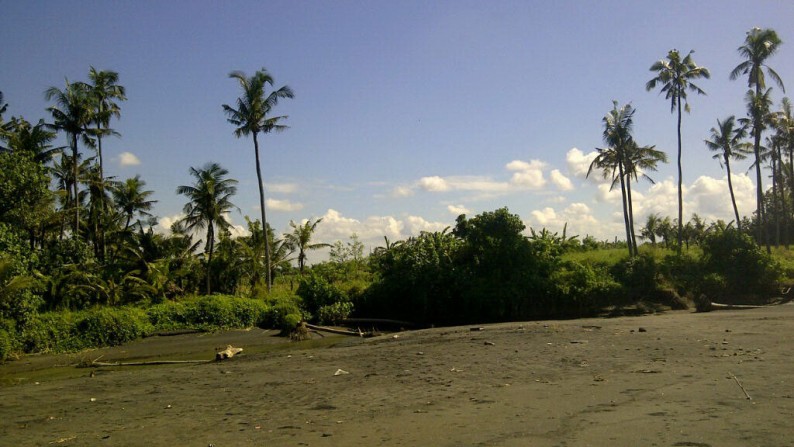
316 292
747 271
5 345
333 313
638 275
51 331
112 327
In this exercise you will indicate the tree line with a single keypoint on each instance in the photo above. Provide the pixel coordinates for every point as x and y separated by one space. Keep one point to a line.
72 237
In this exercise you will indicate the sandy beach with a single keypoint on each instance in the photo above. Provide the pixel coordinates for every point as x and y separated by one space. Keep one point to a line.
673 379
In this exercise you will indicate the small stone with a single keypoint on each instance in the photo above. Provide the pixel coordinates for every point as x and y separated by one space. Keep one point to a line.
642 329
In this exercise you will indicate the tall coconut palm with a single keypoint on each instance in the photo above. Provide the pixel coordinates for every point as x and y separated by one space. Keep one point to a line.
727 141
300 239
252 117
131 198
784 127
209 202
611 160
675 76
104 90
759 45
72 115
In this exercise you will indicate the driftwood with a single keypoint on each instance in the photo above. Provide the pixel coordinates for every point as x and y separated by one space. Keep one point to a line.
378 321
334 331
227 353
153 362
740 386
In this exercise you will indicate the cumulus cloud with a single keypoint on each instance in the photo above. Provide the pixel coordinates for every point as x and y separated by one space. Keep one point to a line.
457 210
433 184
283 205
562 182
164 223
527 174
578 217
128 159
579 162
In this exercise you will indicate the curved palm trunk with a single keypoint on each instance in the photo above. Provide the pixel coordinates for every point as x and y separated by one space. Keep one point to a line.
680 183
75 162
631 215
733 197
625 209
759 193
262 207
791 177
211 244
100 229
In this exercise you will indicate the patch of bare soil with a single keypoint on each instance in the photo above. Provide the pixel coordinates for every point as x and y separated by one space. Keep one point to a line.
675 379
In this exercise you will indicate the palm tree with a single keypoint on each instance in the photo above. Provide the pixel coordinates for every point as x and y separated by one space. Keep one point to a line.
132 199
651 228
758 117
300 239
252 117
71 114
638 160
784 128
726 141
611 160
209 202
759 45
675 77
103 90
21 136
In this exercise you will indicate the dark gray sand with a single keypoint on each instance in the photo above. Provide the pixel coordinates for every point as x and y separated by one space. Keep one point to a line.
682 380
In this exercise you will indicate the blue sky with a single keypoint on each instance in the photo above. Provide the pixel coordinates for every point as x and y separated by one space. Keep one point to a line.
406 112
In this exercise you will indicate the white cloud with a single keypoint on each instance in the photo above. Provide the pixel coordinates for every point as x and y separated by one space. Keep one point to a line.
164 223
402 191
578 217
416 224
457 210
433 184
283 205
128 159
562 182
528 174
579 162
282 188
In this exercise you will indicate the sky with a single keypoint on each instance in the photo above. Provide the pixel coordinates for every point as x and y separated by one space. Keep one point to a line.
406 113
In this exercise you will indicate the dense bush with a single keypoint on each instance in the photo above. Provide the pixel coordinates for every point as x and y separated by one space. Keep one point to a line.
5 345
744 271
112 327
333 313
317 293
639 276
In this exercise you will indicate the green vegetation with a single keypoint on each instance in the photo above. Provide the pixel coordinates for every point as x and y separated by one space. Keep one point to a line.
81 265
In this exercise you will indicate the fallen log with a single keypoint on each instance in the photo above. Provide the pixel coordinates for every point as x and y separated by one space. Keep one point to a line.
334 331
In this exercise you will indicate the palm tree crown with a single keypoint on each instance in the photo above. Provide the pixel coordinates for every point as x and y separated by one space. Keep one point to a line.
759 45
131 198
